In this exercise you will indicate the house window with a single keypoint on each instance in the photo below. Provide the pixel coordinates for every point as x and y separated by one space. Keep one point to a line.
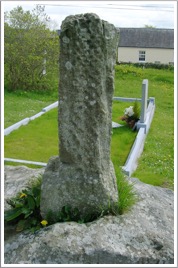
141 55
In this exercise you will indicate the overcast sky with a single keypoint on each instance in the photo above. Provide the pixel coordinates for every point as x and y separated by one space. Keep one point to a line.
159 14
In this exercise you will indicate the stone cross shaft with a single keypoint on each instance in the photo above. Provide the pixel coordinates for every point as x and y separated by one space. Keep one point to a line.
83 176
88 54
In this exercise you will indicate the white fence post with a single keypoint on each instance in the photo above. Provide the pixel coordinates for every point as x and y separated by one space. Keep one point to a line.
144 100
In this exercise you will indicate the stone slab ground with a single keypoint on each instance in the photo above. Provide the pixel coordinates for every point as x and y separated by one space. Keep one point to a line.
144 235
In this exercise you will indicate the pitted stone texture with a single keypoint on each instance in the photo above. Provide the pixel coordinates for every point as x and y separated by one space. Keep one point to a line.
88 53
84 177
144 235
89 192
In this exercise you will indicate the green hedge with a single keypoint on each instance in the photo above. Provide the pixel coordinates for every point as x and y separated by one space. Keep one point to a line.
148 65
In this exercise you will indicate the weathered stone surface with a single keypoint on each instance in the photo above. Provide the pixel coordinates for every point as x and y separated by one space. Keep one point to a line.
145 235
17 178
84 176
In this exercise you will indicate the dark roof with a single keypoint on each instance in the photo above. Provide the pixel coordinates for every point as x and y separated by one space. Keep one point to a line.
146 37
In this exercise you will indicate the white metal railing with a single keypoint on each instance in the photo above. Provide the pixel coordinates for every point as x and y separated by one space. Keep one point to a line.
143 125
144 100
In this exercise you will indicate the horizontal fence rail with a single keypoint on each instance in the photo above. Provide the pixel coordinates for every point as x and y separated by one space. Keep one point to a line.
25 162
147 113
127 99
25 121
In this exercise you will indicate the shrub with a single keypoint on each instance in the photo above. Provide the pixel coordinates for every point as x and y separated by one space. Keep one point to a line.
127 69
31 50
147 65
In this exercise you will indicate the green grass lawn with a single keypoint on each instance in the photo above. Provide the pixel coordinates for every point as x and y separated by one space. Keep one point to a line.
38 140
40 136
156 164
19 105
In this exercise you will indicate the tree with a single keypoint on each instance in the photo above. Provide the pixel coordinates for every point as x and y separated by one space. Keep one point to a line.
30 50
149 26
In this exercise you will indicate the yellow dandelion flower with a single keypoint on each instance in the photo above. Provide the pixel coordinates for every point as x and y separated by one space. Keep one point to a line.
44 222
23 195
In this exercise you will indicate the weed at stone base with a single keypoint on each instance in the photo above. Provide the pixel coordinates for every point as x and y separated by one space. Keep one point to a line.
127 194
67 213
25 212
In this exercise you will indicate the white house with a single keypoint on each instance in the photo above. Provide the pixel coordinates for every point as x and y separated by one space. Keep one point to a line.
146 45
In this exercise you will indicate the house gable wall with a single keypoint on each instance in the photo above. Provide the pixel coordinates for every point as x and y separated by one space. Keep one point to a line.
129 54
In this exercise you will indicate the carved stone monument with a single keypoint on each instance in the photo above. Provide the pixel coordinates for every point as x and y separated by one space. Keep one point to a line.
83 176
